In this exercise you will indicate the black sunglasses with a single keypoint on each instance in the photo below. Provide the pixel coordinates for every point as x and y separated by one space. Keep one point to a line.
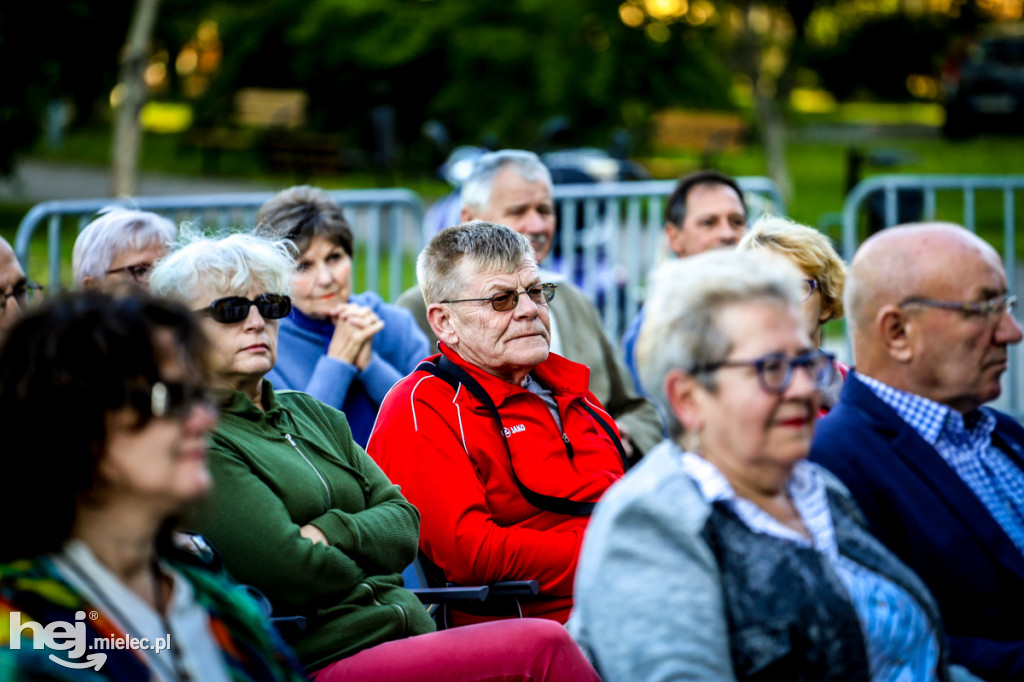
236 308
168 400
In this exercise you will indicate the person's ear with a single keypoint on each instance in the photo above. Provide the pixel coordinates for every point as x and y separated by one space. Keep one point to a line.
826 313
466 214
896 331
674 236
439 316
90 283
684 394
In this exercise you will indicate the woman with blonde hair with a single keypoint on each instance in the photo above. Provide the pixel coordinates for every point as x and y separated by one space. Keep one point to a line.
823 278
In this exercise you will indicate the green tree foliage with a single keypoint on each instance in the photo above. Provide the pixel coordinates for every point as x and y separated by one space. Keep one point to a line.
478 67
65 49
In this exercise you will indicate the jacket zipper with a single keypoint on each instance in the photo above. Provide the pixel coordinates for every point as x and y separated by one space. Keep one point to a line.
377 602
327 489
568 446
565 438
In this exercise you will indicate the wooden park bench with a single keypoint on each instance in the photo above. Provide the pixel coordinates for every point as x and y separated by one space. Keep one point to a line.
706 132
270 122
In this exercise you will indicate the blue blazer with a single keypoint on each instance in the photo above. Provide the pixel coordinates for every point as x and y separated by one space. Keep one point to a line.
918 507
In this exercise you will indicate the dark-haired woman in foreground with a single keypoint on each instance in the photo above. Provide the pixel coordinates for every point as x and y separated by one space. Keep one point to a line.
110 392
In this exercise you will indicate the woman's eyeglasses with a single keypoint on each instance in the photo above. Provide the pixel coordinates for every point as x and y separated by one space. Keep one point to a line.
808 286
775 370
236 308
508 299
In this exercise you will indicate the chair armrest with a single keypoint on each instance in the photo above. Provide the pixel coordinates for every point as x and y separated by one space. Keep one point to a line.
515 588
288 624
445 595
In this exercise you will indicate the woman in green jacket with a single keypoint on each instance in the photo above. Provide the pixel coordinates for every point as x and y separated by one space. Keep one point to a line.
91 586
299 511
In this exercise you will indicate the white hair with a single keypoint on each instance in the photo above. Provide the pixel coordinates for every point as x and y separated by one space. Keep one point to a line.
231 265
115 231
476 190
686 297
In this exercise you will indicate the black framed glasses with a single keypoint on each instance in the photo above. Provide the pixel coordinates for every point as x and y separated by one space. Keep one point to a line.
168 400
24 293
775 370
508 299
139 271
236 308
997 305
807 286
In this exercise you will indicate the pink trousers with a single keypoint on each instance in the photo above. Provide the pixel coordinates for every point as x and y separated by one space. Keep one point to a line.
529 649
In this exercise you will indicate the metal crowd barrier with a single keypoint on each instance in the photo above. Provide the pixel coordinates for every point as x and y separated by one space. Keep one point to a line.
610 235
985 203
616 235
386 224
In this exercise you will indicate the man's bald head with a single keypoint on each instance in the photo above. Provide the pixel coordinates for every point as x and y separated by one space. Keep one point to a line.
12 278
901 261
896 263
915 346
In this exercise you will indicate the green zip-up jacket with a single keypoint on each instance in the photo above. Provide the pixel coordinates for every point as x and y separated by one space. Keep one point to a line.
297 464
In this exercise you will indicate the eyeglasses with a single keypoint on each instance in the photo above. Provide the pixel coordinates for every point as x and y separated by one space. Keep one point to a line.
236 308
24 293
139 271
508 299
168 400
808 286
997 305
775 370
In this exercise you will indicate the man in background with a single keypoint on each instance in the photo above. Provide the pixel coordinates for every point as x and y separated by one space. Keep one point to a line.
705 211
15 289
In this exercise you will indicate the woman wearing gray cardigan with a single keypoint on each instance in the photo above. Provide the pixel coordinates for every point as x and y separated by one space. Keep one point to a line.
724 554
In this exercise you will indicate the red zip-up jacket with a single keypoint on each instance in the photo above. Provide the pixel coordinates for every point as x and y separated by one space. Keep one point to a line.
444 448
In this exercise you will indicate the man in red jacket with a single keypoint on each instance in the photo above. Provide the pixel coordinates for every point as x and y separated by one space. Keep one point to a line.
497 442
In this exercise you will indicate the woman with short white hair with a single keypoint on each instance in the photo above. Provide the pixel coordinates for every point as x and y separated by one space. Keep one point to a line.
120 247
725 554
300 512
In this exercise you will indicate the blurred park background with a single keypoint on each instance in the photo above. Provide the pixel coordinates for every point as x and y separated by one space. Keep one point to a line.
232 95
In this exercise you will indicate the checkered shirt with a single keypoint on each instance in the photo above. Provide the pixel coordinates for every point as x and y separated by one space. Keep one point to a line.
965 442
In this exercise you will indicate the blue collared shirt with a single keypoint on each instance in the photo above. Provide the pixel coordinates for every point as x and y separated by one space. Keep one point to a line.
900 640
965 443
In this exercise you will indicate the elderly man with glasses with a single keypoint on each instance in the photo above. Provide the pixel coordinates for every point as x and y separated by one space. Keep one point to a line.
16 292
497 442
939 476
513 187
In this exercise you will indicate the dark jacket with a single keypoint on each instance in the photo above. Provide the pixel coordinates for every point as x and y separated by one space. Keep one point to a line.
918 507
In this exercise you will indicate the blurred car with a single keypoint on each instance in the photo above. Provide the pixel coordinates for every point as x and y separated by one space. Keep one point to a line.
983 83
